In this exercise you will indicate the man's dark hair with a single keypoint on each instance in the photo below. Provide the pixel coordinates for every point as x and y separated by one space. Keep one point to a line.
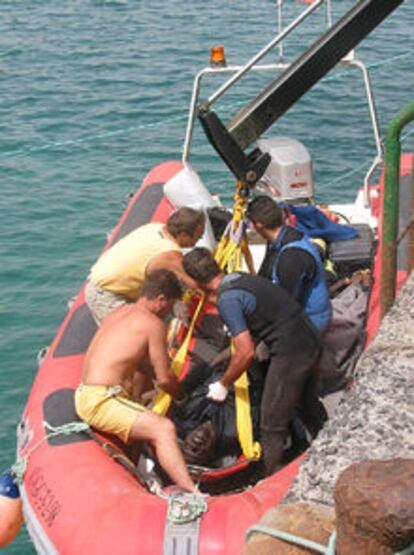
185 220
200 265
161 282
265 211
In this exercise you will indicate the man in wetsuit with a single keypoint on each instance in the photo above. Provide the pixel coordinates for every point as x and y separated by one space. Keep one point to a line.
254 310
291 260
117 276
128 350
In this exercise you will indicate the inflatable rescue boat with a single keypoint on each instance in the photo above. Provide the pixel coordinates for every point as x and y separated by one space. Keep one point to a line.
82 494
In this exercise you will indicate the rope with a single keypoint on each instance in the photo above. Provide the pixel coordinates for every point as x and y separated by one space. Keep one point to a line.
309 544
19 468
296 540
406 135
88 138
184 507
354 171
116 132
344 176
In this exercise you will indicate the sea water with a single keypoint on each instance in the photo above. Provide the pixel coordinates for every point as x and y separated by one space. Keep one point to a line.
96 92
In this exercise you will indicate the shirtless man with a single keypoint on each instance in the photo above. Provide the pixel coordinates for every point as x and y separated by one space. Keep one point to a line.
116 368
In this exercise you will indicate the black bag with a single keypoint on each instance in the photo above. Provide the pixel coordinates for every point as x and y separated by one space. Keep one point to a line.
198 409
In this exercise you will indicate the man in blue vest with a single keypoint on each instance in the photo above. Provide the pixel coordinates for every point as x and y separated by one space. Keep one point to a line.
291 260
255 310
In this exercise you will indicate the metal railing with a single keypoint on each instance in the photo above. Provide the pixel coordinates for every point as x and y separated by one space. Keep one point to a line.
252 65
238 71
391 208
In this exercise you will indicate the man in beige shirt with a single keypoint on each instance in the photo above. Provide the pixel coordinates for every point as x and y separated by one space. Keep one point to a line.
128 349
118 275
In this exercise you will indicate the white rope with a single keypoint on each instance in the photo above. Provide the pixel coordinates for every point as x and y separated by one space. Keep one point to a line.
19 468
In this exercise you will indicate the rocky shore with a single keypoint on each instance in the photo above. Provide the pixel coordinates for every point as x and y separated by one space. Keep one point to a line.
375 419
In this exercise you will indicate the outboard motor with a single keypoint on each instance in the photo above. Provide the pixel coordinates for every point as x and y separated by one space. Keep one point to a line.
289 174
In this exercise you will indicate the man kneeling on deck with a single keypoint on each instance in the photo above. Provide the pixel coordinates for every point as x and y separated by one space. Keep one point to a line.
118 275
116 369
254 309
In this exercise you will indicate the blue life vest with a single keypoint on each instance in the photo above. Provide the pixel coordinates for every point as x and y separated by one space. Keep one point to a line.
316 302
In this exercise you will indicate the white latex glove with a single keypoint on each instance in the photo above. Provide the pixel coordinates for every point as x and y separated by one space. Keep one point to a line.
217 392
180 311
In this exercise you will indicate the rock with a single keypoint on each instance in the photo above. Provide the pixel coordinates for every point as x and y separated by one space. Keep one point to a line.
374 503
313 522
374 419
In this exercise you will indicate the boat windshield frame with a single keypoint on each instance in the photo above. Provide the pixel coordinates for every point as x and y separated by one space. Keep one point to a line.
238 71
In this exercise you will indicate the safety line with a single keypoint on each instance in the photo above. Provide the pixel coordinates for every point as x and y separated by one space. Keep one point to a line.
346 175
180 117
88 138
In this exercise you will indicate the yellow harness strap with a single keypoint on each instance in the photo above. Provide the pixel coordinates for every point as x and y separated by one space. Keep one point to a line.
251 449
228 256
163 400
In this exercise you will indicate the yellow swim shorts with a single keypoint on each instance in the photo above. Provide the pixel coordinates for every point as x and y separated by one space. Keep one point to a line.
107 408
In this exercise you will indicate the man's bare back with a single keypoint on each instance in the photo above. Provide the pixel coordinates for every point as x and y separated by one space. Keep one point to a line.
127 340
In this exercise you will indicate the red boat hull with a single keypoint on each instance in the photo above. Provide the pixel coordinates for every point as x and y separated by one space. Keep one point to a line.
77 499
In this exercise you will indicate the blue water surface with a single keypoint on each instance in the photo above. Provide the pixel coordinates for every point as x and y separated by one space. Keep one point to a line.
96 92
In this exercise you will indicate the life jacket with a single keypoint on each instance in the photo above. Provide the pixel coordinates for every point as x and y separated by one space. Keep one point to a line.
276 312
316 302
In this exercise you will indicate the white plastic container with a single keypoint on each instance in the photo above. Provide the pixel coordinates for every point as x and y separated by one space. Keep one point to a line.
187 189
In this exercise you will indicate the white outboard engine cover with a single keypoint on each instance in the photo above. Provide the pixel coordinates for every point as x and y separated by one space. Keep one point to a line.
289 174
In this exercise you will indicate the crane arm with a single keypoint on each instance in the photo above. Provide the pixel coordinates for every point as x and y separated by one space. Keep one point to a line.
257 116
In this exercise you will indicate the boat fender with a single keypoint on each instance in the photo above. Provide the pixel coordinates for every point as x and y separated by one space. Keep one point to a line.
11 514
187 189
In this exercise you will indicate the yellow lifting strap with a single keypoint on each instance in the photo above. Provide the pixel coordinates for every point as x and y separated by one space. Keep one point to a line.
251 449
163 400
228 256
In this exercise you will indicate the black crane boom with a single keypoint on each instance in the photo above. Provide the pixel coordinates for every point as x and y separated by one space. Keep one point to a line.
256 117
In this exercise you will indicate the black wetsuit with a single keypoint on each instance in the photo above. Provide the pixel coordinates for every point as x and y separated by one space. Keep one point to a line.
294 346
295 269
